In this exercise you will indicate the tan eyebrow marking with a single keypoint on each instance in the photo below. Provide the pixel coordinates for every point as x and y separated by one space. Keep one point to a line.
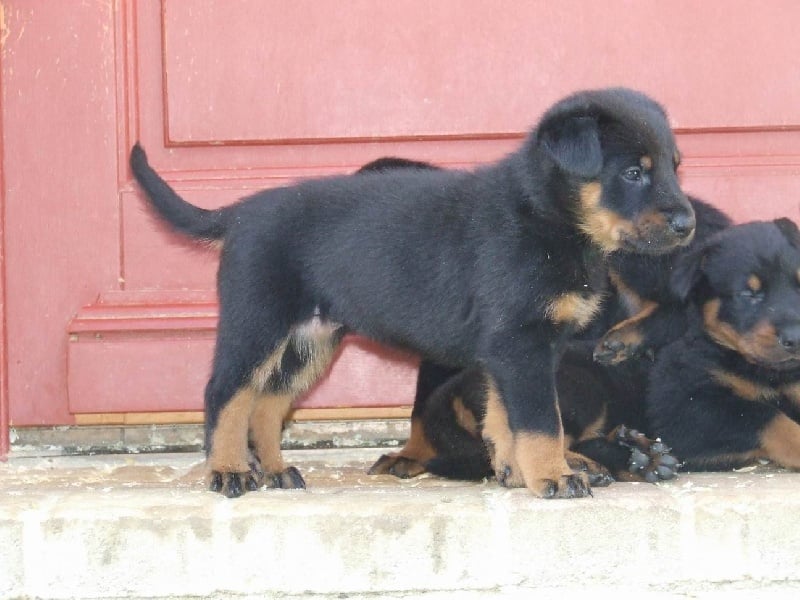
754 283
646 162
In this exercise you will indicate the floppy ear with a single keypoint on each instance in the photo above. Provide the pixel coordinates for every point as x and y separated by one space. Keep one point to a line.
789 230
573 142
688 270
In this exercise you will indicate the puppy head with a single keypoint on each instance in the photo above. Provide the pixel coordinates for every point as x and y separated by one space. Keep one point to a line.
747 282
614 158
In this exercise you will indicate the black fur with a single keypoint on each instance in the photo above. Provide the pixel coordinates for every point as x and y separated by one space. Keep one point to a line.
710 422
462 267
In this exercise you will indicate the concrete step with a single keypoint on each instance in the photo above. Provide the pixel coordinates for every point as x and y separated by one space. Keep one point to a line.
143 526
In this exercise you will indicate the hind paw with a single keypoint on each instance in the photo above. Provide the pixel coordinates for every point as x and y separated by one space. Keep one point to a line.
650 460
397 465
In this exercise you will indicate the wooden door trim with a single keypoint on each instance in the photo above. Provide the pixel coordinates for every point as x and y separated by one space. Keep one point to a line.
5 425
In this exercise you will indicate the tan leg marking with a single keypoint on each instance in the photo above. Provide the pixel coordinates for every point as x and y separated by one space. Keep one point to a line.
418 447
596 428
315 341
633 302
266 428
579 462
648 308
497 432
792 392
541 459
410 460
780 441
537 461
262 372
466 418
229 439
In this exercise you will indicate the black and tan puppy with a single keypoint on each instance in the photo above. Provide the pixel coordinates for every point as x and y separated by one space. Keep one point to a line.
728 392
491 269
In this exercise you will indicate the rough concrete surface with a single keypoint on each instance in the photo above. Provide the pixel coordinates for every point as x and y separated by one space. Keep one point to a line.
144 526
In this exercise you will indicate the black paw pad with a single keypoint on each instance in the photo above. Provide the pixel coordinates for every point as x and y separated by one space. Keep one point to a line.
650 460
216 482
571 486
230 485
550 489
503 475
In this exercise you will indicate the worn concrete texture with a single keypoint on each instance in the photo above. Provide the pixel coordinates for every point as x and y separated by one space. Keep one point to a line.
145 527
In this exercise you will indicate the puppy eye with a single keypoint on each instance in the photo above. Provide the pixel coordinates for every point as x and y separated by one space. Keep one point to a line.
753 296
633 174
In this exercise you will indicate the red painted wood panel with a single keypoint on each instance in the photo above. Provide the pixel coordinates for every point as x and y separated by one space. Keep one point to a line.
231 97
4 402
309 70
62 210
153 351
159 373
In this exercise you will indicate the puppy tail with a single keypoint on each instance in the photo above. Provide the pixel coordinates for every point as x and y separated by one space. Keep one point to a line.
185 218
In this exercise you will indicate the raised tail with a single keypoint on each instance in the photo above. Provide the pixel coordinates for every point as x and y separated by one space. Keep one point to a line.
185 218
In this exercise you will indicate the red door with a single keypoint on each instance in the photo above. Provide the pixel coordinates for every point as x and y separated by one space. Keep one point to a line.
109 318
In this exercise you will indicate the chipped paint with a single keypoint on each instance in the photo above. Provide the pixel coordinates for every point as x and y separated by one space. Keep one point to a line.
4 32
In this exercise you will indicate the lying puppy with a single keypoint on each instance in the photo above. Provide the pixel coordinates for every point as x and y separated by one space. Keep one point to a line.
728 392
491 269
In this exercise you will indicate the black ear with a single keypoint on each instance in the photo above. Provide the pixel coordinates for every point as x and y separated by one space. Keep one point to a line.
789 230
687 271
573 142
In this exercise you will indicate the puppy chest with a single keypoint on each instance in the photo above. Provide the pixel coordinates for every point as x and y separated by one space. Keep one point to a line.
575 309
580 290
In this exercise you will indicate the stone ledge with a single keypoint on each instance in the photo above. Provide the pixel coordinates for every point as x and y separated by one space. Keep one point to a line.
139 439
144 527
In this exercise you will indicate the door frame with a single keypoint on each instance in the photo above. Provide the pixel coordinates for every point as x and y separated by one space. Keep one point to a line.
5 426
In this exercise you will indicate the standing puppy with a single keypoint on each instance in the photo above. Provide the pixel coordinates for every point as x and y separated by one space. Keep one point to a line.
492 269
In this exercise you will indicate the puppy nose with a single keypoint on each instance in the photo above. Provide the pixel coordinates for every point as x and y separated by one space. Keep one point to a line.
789 338
681 223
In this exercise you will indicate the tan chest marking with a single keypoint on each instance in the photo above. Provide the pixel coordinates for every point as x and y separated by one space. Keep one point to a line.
792 392
574 308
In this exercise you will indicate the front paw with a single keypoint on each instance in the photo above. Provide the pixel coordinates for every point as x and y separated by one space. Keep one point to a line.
232 484
575 485
596 473
398 465
614 349
524 469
